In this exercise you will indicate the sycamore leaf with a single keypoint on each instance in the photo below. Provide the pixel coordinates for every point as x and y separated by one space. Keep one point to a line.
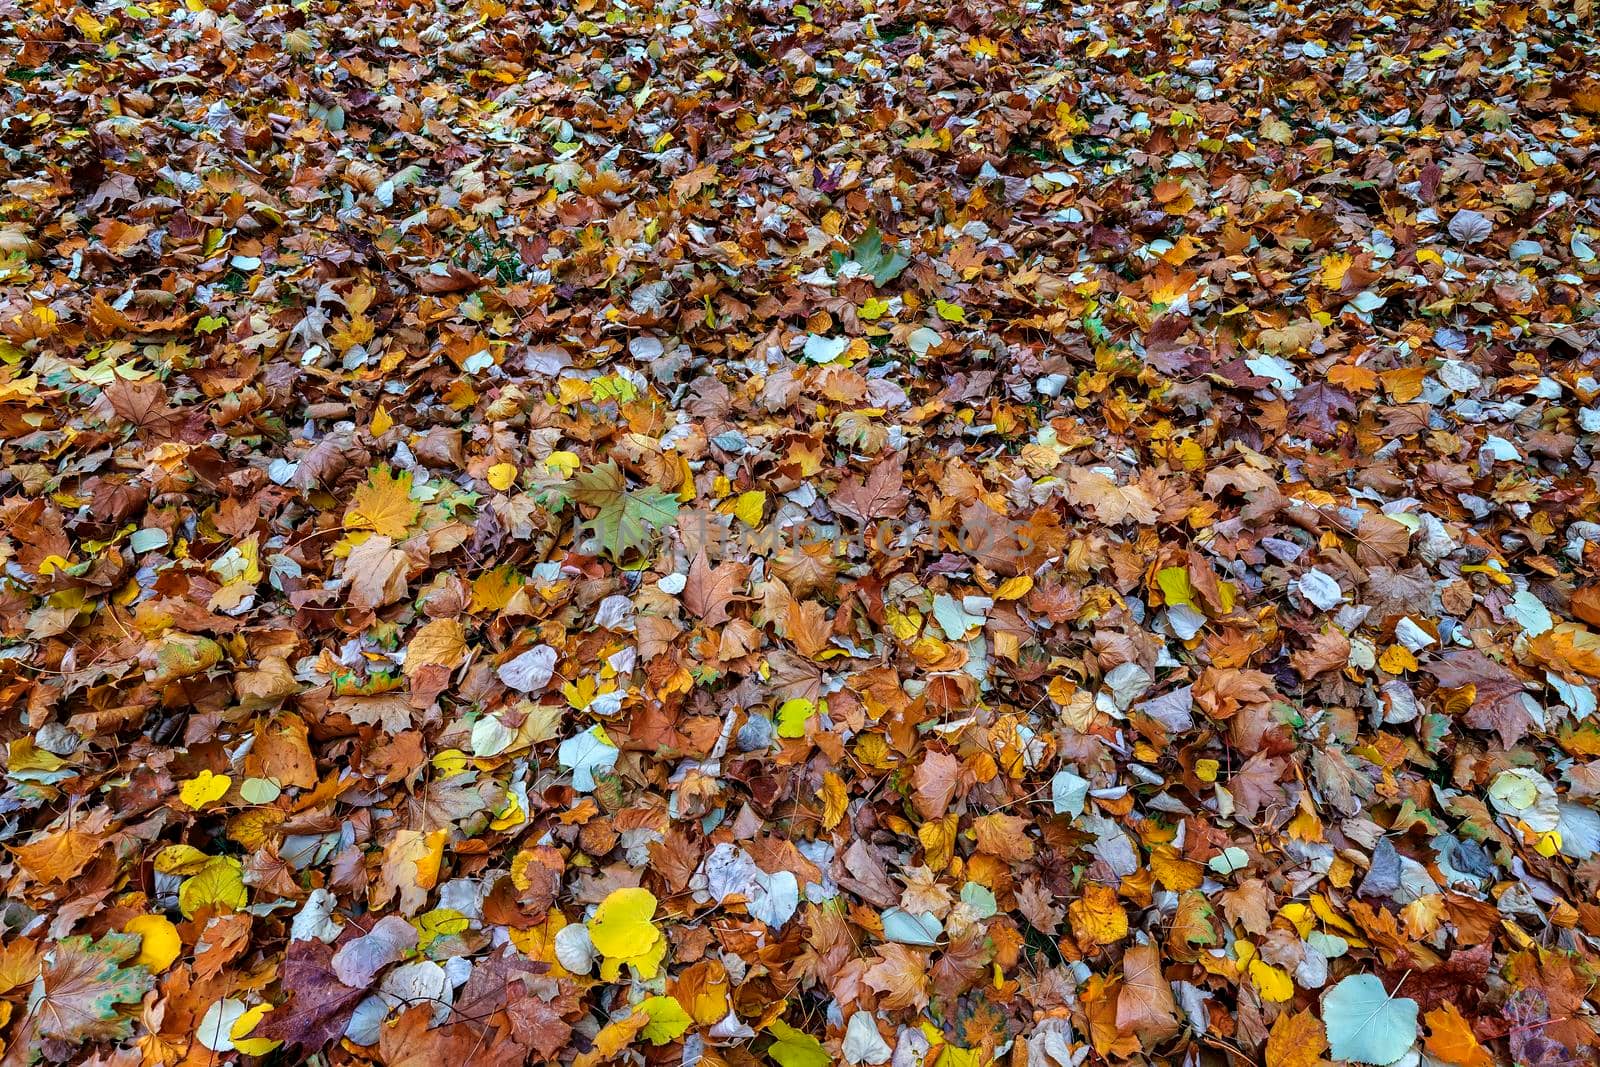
624 518
868 254
383 504
85 987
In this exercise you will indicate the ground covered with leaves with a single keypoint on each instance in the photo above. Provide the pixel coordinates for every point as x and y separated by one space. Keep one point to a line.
851 532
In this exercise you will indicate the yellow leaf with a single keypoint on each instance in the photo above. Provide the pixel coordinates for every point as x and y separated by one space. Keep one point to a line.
181 860
562 463
1450 1038
647 963
220 882
1325 912
493 590
938 839
1014 588
252 1046
502 476
383 505
795 713
668 1020
612 1039
159 943
441 641
509 816
1273 984
621 926
750 506
381 421
1423 915
204 788
1097 916
1173 871
835 800
1297 1040
1397 659
539 942
1334 268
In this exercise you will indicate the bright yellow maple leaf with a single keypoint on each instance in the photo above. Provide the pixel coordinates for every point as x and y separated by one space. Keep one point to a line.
383 504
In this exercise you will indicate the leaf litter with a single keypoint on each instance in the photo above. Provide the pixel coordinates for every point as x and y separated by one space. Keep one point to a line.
853 532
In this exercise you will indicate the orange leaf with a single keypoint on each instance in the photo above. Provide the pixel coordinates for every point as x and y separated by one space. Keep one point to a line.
1297 1040
1451 1039
58 857
1097 916
1355 379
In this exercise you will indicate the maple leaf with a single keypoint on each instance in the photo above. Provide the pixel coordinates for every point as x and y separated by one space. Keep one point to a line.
1256 784
143 405
901 973
624 518
1297 1039
710 591
1038 907
1004 836
882 495
376 573
411 1041
868 254
536 1024
1497 702
85 987
991 539
319 1004
59 856
1317 407
383 504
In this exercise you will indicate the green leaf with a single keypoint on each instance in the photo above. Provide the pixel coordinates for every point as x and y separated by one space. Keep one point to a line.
796 1048
868 254
625 518
1367 1024
668 1020
794 714
84 985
